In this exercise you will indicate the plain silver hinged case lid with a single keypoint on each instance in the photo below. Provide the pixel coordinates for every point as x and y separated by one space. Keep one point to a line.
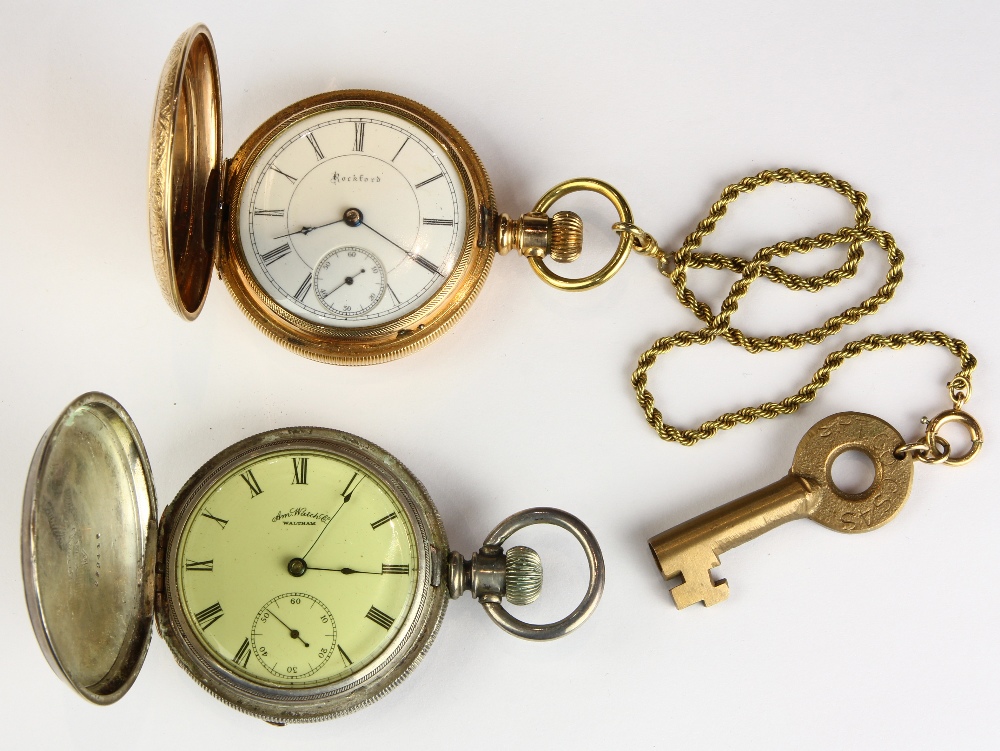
88 544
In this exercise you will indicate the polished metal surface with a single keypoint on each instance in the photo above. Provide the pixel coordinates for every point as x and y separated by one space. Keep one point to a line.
87 548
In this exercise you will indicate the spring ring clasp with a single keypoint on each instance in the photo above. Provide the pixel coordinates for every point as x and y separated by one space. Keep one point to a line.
934 449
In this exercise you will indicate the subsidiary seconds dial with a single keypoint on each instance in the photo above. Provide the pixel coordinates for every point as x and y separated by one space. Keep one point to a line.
293 635
349 281
370 182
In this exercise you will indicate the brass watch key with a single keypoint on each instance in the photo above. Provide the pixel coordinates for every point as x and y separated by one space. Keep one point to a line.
691 549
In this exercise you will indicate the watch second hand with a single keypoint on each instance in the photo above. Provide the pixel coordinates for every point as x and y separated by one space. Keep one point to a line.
347 280
291 631
410 254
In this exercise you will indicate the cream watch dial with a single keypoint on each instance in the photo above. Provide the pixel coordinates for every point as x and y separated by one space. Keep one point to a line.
296 569
359 179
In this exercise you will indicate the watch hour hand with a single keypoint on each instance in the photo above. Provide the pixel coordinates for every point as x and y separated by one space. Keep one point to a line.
307 230
345 570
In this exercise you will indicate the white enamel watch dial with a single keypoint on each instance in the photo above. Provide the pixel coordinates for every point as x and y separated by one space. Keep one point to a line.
352 181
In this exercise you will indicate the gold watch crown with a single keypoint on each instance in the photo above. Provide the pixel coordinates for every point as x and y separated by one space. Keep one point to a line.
565 236
536 234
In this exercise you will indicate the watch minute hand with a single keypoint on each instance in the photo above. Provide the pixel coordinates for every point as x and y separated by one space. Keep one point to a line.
409 253
345 497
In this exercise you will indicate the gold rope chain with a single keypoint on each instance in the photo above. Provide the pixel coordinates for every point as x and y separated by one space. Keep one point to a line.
674 266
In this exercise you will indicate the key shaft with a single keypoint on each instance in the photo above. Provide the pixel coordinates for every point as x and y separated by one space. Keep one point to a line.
692 548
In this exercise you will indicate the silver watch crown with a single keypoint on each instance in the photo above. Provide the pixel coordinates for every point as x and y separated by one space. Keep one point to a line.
523 575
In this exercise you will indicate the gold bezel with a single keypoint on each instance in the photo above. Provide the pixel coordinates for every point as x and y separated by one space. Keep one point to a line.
374 344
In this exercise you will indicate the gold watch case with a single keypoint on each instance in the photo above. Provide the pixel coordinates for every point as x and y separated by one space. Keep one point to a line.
194 225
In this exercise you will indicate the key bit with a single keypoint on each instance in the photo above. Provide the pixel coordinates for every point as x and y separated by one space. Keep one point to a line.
692 549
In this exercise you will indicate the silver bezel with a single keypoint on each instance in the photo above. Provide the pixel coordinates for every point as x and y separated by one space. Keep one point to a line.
401 655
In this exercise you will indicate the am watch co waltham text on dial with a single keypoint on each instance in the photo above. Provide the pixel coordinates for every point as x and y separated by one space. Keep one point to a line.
352 227
299 575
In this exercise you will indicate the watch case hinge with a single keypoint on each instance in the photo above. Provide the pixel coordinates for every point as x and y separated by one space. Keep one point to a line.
486 237
436 566
221 212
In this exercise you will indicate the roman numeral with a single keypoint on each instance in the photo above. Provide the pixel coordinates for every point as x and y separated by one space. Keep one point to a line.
421 261
395 568
377 616
243 654
299 467
312 141
269 212
359 136
284 174
209 615
349 491
190 565
383 520
250 480
438 222
222 522
303 288
275 255
429 180
401 148
346 657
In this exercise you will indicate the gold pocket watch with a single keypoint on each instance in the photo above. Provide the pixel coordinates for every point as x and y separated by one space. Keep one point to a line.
299 575
352 227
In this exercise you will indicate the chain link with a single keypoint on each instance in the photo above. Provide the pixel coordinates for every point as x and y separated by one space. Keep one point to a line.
675 267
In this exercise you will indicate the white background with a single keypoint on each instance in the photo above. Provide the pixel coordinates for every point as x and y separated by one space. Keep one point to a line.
885 640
